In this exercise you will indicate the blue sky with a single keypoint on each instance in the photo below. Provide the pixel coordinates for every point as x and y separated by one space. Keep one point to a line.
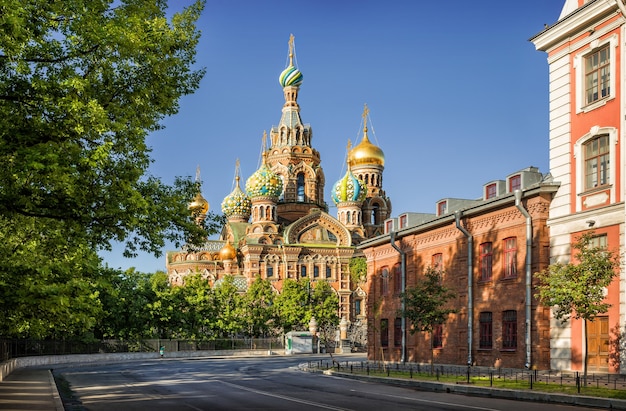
457 94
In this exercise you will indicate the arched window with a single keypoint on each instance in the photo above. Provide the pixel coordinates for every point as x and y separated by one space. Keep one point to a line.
375 216
300 187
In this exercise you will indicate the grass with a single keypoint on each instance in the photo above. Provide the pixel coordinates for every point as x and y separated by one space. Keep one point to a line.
500 382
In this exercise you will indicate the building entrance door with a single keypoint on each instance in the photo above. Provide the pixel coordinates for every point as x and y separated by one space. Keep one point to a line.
598 344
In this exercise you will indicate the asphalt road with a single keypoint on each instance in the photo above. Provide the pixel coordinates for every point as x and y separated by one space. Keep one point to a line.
266 383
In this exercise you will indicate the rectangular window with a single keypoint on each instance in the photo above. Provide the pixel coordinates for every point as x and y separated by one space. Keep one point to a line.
486 261
384 277
403 221
303 271
515 183
357 307
270 271
397 279
397 332
328 272
442 208
389 226
509 330
490 191
599 241
597 75
438 336
384 332
316 271
510 257
485 331
437 261
596 154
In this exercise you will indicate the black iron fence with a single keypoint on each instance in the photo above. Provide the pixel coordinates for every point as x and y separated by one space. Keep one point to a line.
481 376
25 348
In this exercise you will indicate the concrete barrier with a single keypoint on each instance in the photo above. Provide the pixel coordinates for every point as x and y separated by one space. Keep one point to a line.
7 367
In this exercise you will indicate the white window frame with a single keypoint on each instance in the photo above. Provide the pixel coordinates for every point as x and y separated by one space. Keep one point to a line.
579 157
579 68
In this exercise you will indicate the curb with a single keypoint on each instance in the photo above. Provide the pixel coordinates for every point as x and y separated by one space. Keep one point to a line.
553 398
58 403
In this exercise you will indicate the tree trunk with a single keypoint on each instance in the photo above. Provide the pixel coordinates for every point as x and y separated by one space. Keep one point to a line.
432 353
586 352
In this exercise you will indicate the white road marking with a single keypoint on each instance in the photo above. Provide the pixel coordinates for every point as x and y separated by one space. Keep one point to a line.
284 397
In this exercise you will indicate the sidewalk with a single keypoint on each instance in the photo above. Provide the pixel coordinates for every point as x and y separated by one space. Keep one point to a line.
30 389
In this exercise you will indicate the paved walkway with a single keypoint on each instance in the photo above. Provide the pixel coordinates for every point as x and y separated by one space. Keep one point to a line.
30 389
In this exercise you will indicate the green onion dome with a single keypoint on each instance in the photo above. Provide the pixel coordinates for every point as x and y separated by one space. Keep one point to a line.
349 188
237 204
290 76
264 183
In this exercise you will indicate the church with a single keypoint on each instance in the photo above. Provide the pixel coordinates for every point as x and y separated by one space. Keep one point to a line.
278 226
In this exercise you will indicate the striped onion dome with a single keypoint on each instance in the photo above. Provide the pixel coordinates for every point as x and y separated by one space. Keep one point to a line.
290 76
348 188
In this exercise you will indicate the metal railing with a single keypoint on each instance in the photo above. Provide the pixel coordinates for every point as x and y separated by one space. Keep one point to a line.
480 376
13 348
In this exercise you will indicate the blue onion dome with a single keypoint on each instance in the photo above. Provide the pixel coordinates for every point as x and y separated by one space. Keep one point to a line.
237 203
348 188
264 183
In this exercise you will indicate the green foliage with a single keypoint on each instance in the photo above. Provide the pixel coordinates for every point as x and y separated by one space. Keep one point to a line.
292 305
577 289
258 309
228 309
425 303
358 270
125 302
49 282
82 83
324 303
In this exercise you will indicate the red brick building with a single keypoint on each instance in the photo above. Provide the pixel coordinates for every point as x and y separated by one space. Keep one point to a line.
488 250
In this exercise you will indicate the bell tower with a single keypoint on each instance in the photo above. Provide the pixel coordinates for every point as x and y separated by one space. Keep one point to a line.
291 155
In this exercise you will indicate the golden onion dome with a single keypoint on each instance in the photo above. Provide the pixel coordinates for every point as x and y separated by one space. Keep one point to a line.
199 205
228 252
366 153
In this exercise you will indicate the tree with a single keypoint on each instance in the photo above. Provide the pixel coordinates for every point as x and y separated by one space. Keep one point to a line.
125 306
49 284
258 308
292 305
227 308
324 303
426 304
578 289
82 84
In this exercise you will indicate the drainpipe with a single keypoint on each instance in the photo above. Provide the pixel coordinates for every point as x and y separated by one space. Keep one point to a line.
392 237
529 249
470 283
